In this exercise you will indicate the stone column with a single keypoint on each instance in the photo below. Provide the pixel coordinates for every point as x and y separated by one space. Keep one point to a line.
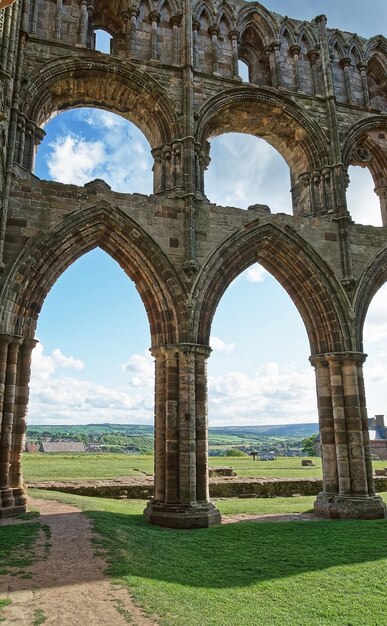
5 42
176 165
181 472
295 53
345 64
214 32
273 53
84 23
19 421
9 355
134 13
313 55
58 21
175 23
154 18
195 34
348 491
362 67
157 170
234 37
34 16
381 192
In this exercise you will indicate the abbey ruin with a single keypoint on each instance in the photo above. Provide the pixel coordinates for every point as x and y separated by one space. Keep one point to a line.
317 95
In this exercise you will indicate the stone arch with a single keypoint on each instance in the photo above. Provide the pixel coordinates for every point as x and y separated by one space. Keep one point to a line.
372 279
366 146
264 22
310 283
105 83
47 256
277 120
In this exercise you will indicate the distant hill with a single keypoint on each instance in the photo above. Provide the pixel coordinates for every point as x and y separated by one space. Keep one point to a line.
286 430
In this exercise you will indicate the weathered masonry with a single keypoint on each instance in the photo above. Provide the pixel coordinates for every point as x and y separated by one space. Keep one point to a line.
317 95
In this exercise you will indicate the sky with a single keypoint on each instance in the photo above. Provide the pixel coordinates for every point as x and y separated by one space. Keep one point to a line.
92 363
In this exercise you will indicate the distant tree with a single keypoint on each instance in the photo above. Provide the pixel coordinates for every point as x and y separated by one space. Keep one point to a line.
235 452
309 445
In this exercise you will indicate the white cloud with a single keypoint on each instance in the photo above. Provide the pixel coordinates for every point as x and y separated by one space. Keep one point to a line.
363 203
73 160
141 368
256 274
58 398
43 366
272 395
221 346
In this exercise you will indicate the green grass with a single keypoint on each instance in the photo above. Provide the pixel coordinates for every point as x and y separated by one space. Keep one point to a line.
17 543
327 573
70 466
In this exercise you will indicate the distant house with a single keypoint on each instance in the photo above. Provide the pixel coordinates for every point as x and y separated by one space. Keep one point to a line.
31 447
378 436
267 456
62 446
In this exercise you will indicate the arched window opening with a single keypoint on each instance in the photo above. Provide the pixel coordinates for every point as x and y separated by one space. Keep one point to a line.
246 171
86 144
102 41
244 71
377 85
363 203
92 364
253 52
375 373
259 372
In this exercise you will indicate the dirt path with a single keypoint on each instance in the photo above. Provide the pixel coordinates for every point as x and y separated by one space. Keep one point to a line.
68 587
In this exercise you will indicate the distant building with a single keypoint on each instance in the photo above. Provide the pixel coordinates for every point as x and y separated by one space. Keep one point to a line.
31 447
62 446
378 437
267 456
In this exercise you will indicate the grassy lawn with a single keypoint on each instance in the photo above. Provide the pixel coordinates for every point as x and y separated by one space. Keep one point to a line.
252 574
70 466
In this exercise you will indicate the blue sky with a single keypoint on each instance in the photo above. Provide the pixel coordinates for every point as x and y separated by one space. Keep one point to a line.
92 363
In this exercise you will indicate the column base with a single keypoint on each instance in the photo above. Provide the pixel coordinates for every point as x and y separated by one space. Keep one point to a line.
334 506
12 511
199 515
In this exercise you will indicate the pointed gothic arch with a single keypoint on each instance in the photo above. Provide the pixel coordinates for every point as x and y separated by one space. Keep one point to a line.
47 256
315 291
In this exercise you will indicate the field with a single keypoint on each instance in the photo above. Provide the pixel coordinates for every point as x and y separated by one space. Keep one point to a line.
69 466
249 574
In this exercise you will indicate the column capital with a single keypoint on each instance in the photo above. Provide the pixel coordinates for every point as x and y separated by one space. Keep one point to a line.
181 348
337 357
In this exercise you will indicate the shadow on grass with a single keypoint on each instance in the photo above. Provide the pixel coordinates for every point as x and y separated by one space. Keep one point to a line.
235 555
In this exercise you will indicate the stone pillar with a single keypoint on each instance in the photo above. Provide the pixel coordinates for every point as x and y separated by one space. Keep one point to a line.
275 63
157 170
175 23
134 13
84 24
214 32
58 21
295 53
181 473
345 64
362 67
5 42
195 34
348 491
154 18
234 37
313 55
19 421
381 192
34 16
176 165
9 347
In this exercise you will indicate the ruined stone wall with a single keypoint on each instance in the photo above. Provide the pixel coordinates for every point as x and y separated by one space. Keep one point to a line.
317 95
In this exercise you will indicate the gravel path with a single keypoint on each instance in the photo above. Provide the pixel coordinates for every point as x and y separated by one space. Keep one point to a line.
69 587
